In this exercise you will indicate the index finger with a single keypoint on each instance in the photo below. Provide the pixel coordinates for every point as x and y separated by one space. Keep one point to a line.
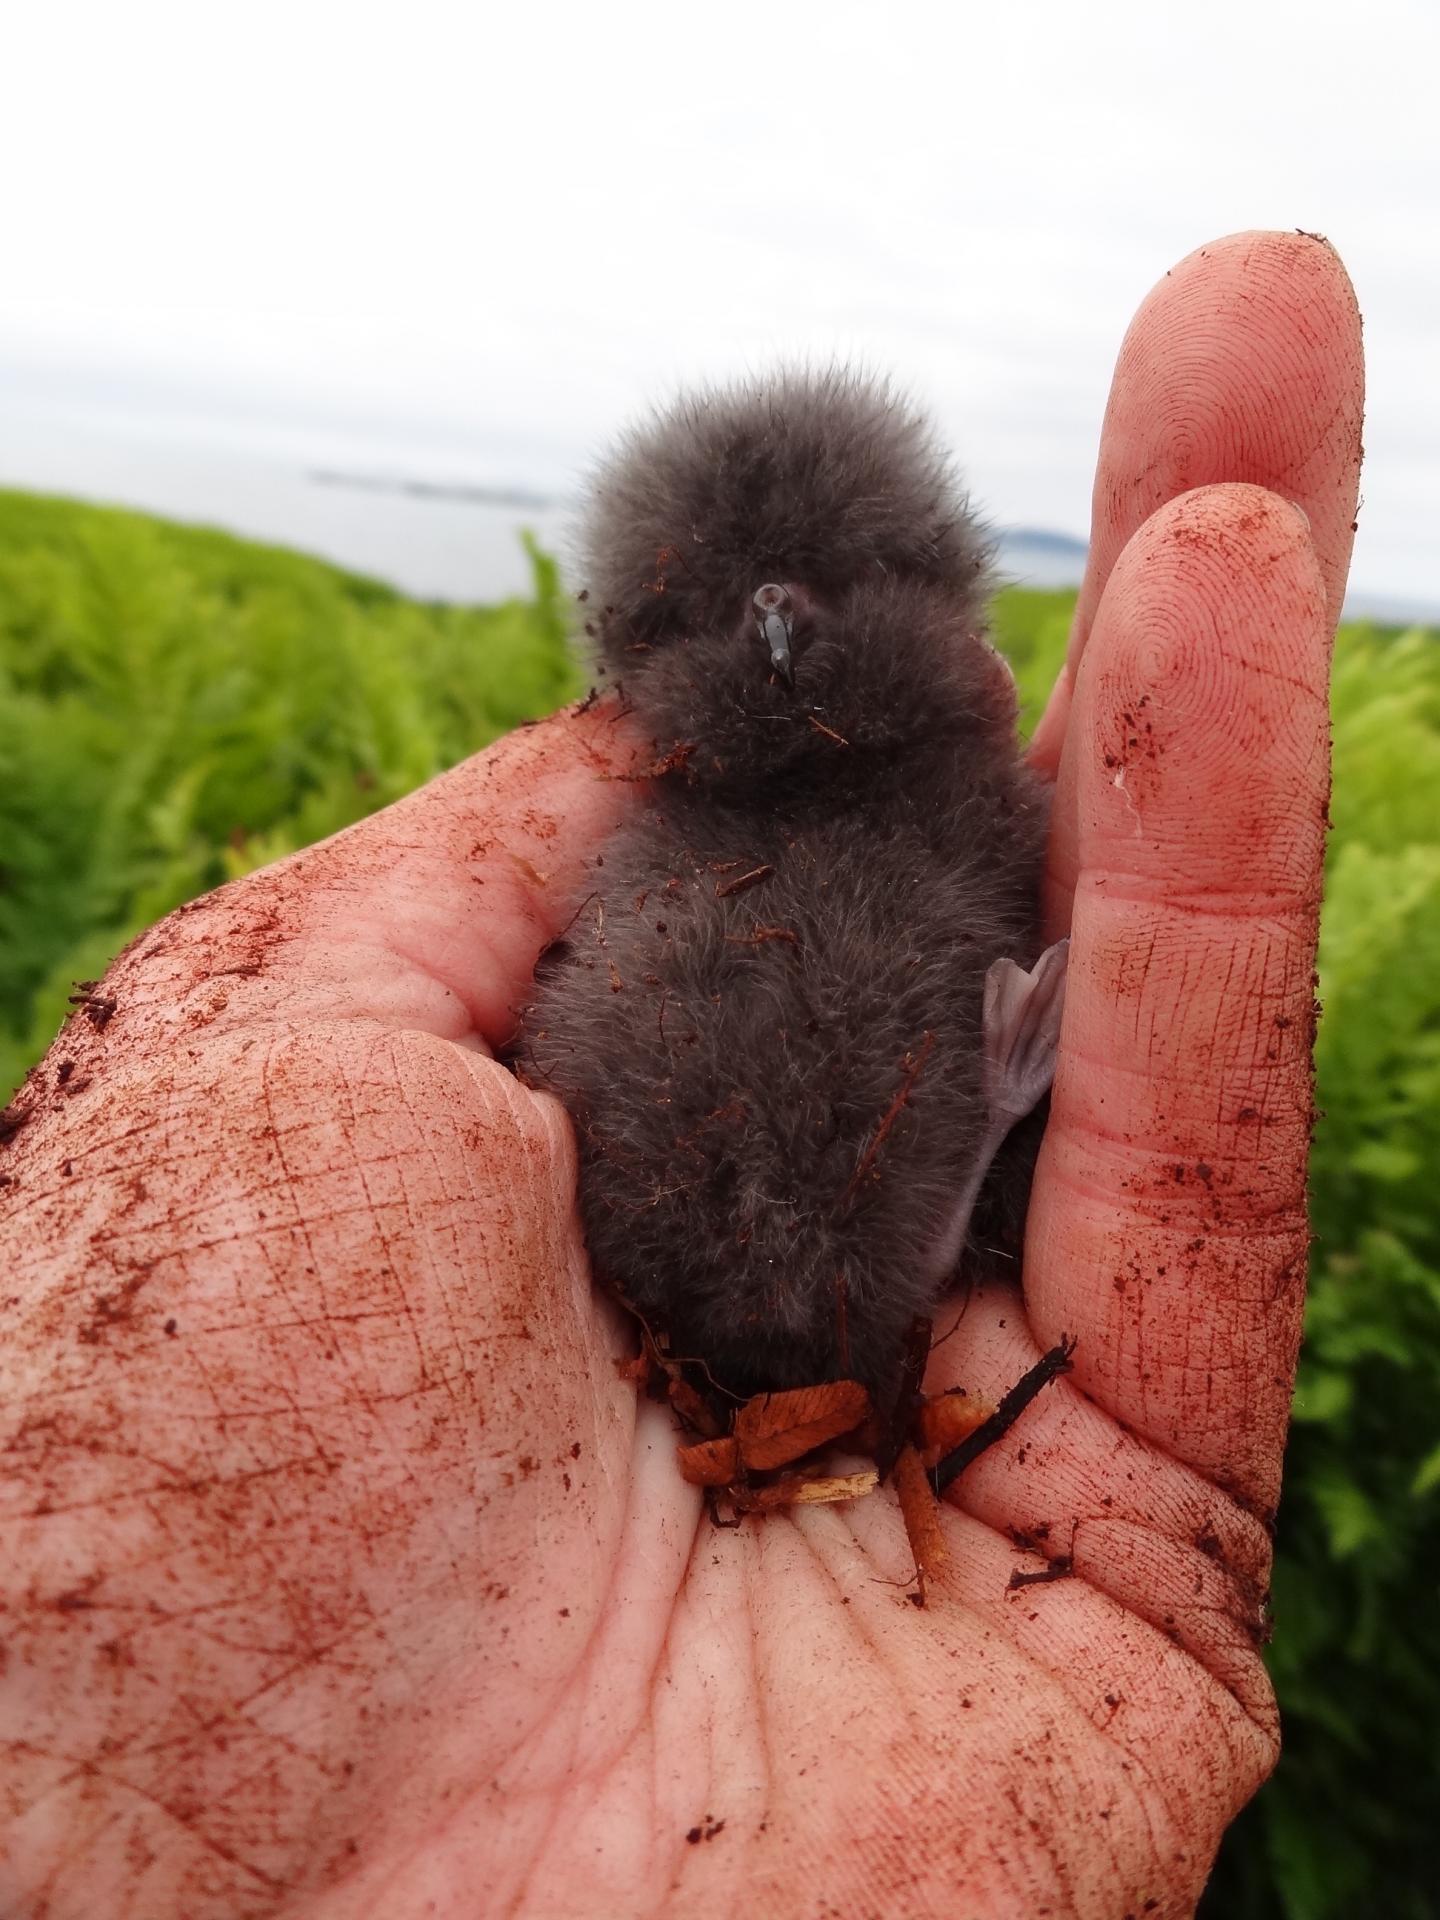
1168 1229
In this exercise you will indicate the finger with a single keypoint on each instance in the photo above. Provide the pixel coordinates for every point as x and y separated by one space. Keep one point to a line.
427 916
456 891
1168 1229
1244 363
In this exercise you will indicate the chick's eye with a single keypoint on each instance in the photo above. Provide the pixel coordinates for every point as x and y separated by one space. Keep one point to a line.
775 619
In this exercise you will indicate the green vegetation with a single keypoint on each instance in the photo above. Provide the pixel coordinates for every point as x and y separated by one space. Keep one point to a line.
177 707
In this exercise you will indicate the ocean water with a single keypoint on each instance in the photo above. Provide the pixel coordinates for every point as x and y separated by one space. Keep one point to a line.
418 518
437 545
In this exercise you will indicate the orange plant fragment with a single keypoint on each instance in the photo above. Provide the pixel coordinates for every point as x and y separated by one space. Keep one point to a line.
775 1428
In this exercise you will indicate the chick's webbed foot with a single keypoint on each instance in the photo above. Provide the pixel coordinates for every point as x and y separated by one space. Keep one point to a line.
1022 1012
1022 1034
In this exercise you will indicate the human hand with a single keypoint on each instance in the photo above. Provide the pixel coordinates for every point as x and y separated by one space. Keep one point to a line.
343 1573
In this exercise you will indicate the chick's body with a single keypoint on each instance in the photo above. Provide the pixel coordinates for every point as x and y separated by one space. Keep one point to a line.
766 1021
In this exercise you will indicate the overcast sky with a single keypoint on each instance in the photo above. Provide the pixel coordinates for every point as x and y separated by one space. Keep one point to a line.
482 237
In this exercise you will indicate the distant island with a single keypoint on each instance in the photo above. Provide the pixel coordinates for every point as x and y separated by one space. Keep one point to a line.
1045 541
466 492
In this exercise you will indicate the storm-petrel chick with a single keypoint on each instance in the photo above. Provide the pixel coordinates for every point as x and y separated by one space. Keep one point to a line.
805 1002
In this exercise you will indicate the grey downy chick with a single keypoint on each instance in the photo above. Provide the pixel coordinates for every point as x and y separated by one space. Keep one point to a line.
796 1017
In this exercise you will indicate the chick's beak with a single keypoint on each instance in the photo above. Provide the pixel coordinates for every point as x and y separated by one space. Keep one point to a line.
775 617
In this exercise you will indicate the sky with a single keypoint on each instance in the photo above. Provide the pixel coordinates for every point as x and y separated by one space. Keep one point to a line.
473 241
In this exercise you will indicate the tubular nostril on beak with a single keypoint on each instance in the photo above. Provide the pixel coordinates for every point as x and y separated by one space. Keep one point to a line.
775 617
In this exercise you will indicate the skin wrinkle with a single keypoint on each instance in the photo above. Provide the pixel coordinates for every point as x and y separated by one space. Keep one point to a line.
486 1092
1287 1225
187 1827
1045 1682
1062 1675
1174 1182
1242 1154
947 1583
434 1291
1132 1763
805 1536
397 1294
760 1675
742 1728
598 1654
659 1824
277 1137
657 1684
1132 1595
595 1655
1063 1879
800 1572
1197 1508
578 1813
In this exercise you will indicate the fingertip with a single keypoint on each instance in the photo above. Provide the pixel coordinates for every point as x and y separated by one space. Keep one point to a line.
1277 249
506 842
542 798
1244 363
1199 712
432 912
1230 559
592 739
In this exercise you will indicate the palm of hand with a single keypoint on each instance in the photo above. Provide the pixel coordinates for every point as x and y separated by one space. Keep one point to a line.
355 1581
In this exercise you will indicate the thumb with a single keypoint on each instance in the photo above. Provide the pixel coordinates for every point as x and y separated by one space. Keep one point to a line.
452 894
427 916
